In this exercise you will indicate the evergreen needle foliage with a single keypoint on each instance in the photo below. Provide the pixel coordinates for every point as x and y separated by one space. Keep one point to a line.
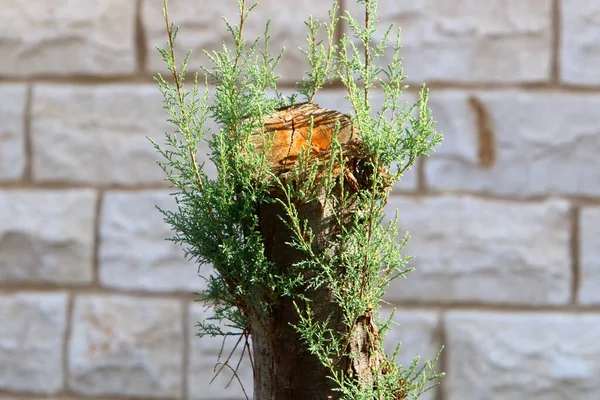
216 219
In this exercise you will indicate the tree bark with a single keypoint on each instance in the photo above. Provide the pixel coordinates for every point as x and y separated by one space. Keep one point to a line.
284 369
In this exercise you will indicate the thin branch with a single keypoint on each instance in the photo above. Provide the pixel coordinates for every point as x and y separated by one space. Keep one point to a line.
367 50
226 362
236 376
186 117
237 367
247 344
182 109
238 53
370 226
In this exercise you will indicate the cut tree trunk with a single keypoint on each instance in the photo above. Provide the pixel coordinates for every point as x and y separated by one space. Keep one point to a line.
284 368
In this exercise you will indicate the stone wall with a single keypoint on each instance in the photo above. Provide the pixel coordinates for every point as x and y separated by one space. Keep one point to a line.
504 217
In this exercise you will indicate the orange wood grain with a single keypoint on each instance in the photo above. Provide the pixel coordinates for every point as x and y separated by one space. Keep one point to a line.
291 126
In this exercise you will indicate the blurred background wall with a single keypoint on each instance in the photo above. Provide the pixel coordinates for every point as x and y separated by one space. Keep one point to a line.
504 217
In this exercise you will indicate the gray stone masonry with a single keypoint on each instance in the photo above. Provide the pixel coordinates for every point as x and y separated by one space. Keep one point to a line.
504 217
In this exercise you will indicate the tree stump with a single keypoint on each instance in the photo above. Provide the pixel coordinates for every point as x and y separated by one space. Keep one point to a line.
284 369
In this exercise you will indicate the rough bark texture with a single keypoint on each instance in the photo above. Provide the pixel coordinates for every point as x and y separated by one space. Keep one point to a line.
283 367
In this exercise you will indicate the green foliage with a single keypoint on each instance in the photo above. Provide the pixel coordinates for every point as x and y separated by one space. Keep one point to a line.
216 219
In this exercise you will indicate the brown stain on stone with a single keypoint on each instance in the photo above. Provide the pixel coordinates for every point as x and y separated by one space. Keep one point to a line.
575 228
141 53
28 151
487 141
556 42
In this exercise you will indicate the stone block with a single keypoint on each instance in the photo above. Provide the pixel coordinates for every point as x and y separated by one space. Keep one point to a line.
134 252
126 346
483 251
507 356
31 342
580 42
47 236
42 37
99 134
589 242
499 41
202 28
12 131
543 143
